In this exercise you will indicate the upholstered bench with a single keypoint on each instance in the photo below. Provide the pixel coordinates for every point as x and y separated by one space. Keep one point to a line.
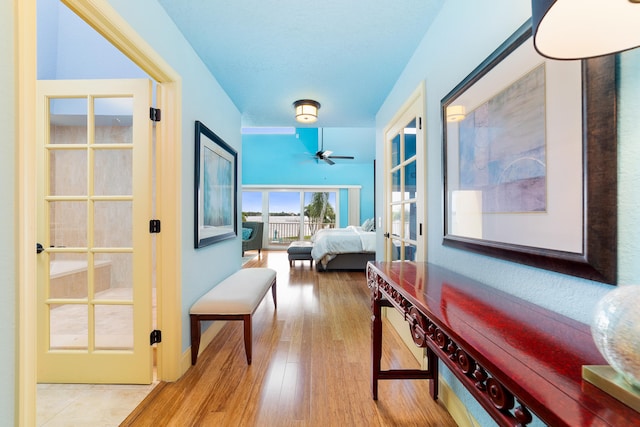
300 251
235 298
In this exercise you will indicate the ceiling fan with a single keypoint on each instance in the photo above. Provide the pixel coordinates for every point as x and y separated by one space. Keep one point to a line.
327 155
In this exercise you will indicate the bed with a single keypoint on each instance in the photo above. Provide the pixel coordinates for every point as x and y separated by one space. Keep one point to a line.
343 248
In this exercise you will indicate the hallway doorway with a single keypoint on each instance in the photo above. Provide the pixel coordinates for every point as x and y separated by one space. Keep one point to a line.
105 21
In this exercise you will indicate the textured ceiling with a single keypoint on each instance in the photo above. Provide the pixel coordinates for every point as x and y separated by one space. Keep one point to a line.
345 54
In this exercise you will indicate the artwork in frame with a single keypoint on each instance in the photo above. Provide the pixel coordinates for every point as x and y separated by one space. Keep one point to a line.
530 161
216 179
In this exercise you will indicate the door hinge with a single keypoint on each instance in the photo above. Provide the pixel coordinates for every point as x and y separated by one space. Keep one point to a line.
155 337
154 114
420 229
154 226
419 122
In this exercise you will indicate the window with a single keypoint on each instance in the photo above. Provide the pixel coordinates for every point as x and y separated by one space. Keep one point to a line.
291 213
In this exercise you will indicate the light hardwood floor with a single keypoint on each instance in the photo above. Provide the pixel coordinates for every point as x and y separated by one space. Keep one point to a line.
311 364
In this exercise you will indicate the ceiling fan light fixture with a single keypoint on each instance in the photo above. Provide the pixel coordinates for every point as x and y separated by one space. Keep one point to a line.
576 29
306 110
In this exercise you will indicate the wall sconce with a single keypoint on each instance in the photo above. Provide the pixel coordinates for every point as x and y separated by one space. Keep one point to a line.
306 110
455 113
576 29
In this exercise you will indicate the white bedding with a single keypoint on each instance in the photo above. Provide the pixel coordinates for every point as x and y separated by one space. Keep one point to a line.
327 243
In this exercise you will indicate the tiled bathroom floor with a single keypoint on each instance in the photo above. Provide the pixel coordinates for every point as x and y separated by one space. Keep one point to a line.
95 405
113 323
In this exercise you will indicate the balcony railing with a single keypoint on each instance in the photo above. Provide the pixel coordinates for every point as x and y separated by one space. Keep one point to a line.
283 233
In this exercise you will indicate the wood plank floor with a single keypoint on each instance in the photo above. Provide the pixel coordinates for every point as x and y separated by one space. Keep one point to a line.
311 364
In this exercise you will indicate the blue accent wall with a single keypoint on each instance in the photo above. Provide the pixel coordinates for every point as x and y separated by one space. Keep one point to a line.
287 160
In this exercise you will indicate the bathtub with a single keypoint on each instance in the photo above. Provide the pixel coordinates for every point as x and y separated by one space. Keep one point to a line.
68 278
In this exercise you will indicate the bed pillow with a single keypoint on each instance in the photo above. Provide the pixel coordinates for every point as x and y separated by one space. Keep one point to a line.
369 225
246 233
373 225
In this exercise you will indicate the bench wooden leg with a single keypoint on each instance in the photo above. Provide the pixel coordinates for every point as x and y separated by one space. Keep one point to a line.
247 321
195 338
247 336
273 293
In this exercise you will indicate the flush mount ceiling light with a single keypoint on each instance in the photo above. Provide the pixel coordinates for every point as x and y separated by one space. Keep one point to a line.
575 29
306 110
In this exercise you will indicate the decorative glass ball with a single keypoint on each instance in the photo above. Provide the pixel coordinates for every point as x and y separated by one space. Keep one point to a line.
616 331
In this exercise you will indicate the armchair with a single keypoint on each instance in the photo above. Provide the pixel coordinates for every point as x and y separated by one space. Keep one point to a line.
255 239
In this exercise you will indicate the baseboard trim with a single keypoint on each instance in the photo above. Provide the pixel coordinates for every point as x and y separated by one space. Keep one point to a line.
454 406
446 395
207 336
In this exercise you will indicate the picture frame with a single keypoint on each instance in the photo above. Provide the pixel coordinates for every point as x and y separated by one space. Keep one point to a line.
530 161
215 189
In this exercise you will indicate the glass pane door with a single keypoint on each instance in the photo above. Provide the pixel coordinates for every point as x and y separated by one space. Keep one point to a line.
403 194
405 185
291 214
252 206
95 207
284 218
89 206
319 212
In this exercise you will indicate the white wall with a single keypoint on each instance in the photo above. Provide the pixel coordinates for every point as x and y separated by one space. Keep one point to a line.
462 36
8 277
202 99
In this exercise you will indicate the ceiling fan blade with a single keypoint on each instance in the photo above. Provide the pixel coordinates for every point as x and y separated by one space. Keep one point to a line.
341 157
327 155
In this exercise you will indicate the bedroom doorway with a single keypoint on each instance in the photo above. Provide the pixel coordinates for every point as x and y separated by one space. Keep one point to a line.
405 183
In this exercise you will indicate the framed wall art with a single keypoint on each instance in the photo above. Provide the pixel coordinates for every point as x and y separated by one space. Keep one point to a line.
530 161
216 180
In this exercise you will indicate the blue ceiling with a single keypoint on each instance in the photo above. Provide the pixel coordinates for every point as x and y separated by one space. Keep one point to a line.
345 54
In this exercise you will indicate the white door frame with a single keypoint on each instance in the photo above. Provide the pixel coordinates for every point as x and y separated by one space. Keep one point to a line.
104 19
414 106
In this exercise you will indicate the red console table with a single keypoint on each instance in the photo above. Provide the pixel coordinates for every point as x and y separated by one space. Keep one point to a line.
516 358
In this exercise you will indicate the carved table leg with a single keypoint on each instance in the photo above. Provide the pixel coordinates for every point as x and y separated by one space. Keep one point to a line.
376 342
432 359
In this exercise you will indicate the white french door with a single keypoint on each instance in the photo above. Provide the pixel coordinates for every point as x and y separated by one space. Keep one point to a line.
405 183
94 177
